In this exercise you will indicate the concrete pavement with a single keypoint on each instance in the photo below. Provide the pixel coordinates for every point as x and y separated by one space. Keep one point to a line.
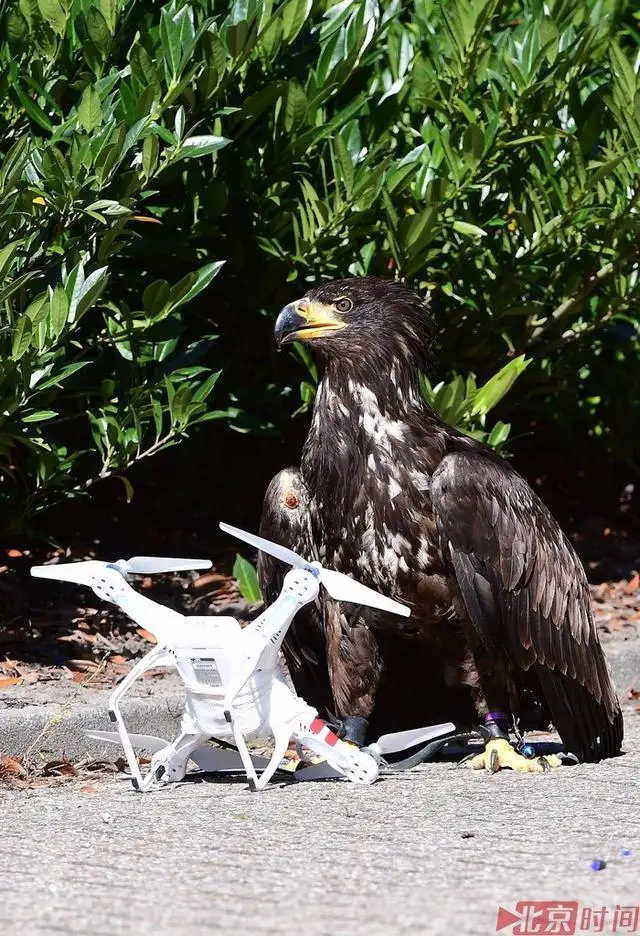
434 851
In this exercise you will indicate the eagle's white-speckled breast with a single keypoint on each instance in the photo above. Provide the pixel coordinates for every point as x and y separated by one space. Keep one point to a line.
370 487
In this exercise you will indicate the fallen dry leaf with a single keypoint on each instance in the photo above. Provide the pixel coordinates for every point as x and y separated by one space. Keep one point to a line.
209 578
146 635
6 681
59 768
102 765
118 659
11 767
88 788
632 585
86 666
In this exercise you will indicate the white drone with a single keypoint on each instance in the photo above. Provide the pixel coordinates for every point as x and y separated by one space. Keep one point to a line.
235 690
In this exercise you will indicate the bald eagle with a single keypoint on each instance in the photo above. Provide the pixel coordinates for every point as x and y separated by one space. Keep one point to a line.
501 627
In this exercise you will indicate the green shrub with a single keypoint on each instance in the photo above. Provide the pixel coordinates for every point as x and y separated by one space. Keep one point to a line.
486 150
96 372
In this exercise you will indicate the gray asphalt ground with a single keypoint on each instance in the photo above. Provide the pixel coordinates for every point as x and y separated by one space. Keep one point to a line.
436 850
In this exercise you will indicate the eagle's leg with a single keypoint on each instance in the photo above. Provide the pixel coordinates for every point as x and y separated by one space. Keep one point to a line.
499 753
492 695
354 671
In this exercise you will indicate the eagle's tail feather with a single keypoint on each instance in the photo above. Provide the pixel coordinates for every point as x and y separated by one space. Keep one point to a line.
586 728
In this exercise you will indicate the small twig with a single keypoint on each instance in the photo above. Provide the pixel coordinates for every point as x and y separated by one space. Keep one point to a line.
108 643
108 472
64 710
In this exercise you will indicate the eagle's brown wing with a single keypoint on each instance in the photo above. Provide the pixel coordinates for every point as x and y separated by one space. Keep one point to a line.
285 520
527 594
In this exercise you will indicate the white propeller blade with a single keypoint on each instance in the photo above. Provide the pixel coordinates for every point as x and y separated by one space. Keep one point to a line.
265 545
339 585
343 588
142 742
148 565
207 758
401 740
82 573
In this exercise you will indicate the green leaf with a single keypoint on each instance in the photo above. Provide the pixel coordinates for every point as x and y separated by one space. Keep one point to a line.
109 207
58 311
157 412
150 151
193 283
33 109
109 9
170 34
344 164
294 15
90 109
247 578
21 338
39 416
178 124
16 26
86 292
98 28
493 391
56 380
499 434
13 162
6 257
155 298
144 70
205 388
199 146
53 13
604 170
624 71
469 230
295 107
15 285
420 228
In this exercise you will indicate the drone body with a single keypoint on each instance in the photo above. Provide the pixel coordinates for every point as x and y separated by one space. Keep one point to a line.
235 690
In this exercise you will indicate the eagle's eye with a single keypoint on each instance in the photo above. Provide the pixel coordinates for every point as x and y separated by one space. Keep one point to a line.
344 305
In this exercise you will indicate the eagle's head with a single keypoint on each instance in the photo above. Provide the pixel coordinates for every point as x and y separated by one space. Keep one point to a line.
362 321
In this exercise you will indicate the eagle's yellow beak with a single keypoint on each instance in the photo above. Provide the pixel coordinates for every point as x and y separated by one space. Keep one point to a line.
304 320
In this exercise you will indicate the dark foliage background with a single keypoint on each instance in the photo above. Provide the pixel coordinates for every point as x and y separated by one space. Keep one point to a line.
171 175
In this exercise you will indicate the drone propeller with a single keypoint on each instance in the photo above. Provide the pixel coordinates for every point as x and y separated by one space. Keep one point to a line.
143 742
339 585
207 758
148 565
386 744
82 573
401 740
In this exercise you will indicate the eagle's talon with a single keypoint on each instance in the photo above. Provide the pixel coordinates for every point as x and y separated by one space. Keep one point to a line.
566 757
500 754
